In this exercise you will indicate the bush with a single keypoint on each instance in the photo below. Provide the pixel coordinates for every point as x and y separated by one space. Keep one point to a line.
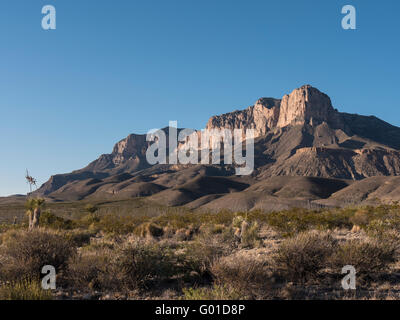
366 256
24 290
200 254
246 274
149 229
361 217
214 293
79 238
27 252
93 270
303 256
109 223
50 220
140 262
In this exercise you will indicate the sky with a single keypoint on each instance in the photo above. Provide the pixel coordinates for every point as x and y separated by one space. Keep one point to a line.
112 68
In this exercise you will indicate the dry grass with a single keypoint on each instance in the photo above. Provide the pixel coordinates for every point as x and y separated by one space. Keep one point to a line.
24 290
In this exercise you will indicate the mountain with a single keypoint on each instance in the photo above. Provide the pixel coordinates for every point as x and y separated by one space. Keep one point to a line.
306 152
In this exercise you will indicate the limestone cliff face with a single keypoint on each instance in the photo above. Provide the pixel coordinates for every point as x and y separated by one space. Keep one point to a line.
305 105
262 117
132 147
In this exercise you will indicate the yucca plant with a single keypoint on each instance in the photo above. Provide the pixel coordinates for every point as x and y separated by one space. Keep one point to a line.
34 208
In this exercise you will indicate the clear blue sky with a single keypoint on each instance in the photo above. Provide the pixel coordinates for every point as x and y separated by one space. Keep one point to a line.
124 66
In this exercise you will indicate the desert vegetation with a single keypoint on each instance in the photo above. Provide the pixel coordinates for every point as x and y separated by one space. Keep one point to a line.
106 251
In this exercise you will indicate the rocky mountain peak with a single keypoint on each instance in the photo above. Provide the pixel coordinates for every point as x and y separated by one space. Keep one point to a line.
305 105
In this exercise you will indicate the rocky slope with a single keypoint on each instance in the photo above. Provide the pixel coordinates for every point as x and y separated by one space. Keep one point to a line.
300 135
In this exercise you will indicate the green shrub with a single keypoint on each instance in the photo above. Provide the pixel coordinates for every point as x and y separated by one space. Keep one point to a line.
293 221
89 219
108 223
180 220
50 220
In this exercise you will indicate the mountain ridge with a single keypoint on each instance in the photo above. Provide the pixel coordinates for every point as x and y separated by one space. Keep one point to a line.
300 135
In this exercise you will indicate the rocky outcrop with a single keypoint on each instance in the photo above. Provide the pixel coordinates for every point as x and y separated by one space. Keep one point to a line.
262 117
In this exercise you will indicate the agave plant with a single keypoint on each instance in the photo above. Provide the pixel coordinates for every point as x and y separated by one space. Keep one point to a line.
33 210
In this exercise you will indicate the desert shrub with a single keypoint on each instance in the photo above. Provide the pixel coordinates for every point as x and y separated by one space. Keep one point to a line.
91 209
79 237
24 290
186 234
140 261
290 222
247 274
7 227
27 252
50 220
92 270
9 235
213 293
89 219
217 229
114 224
148 229
366 256
179 220
384 232
361 217
301 257
126 265
199 255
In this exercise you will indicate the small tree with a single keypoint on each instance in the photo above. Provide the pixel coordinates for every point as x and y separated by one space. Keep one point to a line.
33 210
